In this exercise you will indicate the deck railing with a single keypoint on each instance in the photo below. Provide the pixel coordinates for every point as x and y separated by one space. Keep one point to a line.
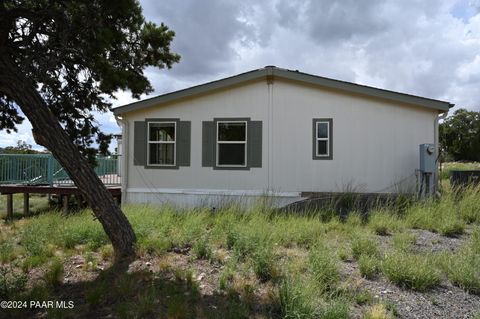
44 169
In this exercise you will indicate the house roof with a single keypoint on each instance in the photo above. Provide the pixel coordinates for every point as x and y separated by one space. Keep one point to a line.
273 72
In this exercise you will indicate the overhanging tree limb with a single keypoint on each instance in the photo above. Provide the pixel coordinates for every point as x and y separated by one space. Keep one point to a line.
62 59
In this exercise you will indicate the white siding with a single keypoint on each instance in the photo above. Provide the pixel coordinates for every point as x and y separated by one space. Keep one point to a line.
375 144
244 101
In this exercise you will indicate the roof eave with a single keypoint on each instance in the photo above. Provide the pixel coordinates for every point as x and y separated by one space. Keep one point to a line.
290 75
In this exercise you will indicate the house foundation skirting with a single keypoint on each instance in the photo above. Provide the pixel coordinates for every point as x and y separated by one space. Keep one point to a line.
190 198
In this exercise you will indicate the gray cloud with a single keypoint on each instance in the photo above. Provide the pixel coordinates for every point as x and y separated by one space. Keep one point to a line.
423 47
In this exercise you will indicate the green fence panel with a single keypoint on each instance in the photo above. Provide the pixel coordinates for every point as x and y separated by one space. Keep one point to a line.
44 169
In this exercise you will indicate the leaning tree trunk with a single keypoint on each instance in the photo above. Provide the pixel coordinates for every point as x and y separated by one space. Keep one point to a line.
48 133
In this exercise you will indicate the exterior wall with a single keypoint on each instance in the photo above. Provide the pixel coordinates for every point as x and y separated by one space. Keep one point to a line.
195 183
375 144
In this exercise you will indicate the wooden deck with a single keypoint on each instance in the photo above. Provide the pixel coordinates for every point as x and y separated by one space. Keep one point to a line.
61 190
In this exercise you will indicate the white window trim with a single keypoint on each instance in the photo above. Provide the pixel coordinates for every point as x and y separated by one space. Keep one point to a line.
162 142
231 142
322 139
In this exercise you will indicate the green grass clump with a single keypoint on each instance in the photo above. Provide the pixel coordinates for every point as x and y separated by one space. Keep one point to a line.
463 268
384 223
369 266
411 271
53 276
469 204
292 302
338 309
11 282
439 216
377 311
364 245
264 263
201 249
324 267
404 241
7 251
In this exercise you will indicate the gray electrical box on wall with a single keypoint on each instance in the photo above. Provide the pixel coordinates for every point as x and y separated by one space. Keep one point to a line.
427 158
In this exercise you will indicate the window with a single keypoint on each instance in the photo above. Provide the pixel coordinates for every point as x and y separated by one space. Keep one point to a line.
161 143
322 139
231 144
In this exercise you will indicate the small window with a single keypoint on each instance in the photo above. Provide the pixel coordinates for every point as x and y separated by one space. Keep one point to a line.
232 144
161 143
322 139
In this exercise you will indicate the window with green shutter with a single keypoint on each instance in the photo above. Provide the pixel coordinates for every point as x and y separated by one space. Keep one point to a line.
162 143
232 143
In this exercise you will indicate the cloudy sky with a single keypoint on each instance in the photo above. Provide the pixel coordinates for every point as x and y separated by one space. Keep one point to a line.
423 47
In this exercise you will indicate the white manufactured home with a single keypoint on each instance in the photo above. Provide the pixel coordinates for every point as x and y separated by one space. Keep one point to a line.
272 132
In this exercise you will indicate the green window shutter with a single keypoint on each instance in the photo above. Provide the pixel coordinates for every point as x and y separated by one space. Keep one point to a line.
184 129
208 144
139 143
254 144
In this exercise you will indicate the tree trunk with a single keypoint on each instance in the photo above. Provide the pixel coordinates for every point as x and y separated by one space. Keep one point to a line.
48 132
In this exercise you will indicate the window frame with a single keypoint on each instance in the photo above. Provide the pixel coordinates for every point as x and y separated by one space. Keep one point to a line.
174 122
217 142
316 139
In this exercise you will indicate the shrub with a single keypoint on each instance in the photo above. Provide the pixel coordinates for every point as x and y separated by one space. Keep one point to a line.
324 268
369 266
364 245
412 271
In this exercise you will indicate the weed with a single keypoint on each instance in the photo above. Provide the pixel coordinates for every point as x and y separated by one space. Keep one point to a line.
11 281
145 303
412 271
343 254
155 245
364 245
463 268
97 293
264 263
369 266
364 297
469 203
384 223
291 303
377 311
338 309
7 253
53 277
90 263
436 216
404 241
324 268
106 252
202 249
